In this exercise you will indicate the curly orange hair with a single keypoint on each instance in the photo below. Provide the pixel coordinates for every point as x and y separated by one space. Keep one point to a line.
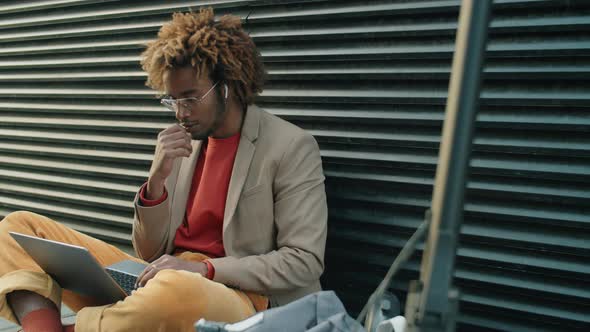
222 49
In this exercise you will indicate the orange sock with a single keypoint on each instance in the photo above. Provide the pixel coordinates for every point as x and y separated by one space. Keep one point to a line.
42 320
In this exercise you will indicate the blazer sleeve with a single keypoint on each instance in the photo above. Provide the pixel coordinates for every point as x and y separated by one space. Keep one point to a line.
301 214
151 226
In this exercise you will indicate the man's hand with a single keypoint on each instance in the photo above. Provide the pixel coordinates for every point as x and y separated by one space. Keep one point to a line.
169 262
173 142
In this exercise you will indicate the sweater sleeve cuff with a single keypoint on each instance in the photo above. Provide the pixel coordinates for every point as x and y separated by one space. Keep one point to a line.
210 270
150 202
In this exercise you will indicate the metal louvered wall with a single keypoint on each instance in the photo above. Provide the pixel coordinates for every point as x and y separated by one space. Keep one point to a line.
369 80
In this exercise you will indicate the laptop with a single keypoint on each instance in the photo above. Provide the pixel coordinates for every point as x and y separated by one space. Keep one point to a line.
75 269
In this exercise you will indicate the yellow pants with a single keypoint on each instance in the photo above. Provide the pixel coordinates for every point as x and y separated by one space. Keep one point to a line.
171 301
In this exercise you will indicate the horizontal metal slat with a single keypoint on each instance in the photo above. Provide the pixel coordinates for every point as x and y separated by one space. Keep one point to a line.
40 5
113 234
96 75
41 194
524 143
324 71
67 180
61 107
531 166
76 168
121 142
83 14
491 276
76 93
327 11
92 46
550 238
88 154
73 123
67 31
86 60
488 117
482 186
8 201
496 256
506 209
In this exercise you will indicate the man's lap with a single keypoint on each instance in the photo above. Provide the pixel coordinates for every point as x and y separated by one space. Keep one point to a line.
179 296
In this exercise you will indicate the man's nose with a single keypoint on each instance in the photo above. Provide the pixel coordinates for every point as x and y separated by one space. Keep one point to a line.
181 112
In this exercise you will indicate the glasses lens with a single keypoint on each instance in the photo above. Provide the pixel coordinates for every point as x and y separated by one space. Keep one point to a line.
169 104
189 103
185 104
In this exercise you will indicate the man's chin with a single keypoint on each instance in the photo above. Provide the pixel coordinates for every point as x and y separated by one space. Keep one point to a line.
200 136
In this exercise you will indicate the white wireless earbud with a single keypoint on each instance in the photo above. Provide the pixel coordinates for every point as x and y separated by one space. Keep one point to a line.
225 85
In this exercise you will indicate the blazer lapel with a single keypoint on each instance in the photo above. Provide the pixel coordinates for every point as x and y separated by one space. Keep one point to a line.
183 186
242 162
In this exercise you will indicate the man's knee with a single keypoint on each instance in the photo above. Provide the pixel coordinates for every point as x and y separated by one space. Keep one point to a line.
20 219
16 217
174 286
170 297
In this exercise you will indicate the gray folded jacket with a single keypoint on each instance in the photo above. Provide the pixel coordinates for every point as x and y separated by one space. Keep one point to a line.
317 312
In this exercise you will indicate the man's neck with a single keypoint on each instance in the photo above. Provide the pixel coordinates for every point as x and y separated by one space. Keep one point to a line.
232 122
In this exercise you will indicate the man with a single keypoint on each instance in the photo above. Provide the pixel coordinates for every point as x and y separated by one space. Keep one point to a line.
232 217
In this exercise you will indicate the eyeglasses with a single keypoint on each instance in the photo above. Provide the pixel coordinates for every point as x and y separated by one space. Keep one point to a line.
186 103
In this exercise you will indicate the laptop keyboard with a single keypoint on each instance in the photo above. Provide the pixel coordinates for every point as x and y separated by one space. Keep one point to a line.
126 281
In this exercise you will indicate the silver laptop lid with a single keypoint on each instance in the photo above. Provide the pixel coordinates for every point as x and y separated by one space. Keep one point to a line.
73 267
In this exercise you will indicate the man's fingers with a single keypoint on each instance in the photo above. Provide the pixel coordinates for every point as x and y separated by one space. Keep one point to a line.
174 136
179 152
176 127
146 278
151 273
178 144
148 269
144 272
172 129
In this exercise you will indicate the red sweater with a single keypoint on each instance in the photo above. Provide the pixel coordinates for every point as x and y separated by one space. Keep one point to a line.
201 230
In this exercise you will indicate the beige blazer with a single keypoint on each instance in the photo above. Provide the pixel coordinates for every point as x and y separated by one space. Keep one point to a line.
275 221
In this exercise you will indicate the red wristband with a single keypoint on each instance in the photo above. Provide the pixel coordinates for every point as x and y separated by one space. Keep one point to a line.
151 202
210 270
